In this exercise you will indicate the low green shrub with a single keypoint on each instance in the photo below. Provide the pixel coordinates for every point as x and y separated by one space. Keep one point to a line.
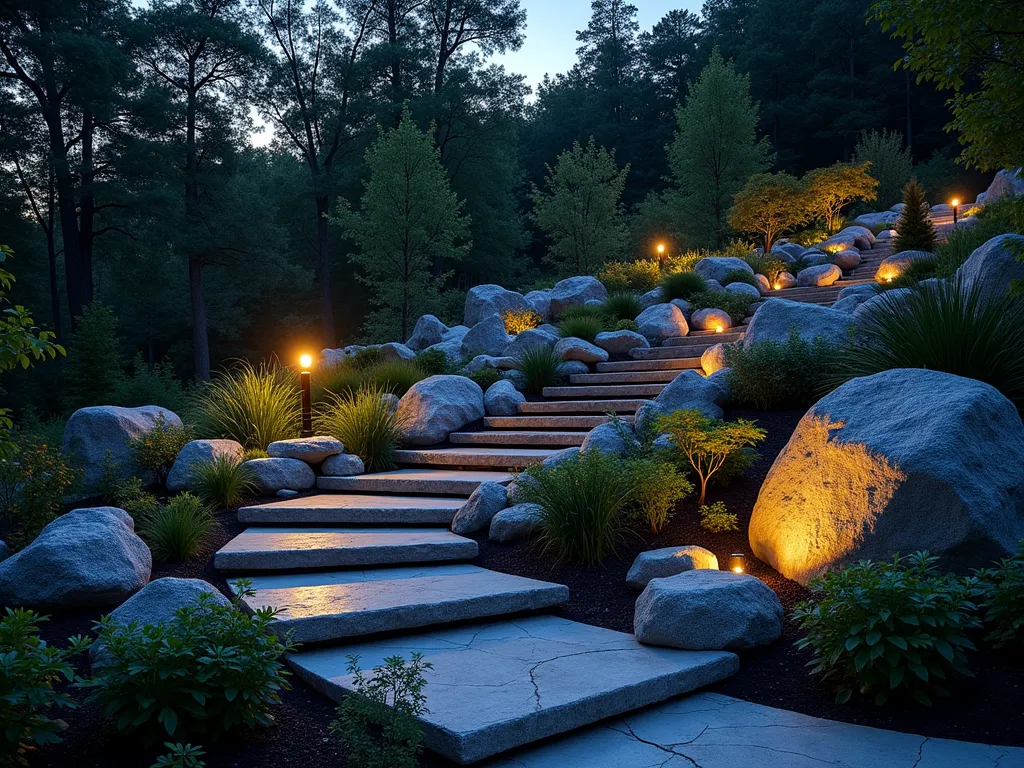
766 264
736 305
622 306
377 722
366 423
716 518
348 376
34 481
180 756
254 406
739 276
1001 597
131 496
885 628
223 482
682 285
254 453
366 358
772 374
28 669
594 311
434 362
210 670
151 385
585 328
626 325
174 531
632 276
657 486
485 377
540 367
582 501
156 450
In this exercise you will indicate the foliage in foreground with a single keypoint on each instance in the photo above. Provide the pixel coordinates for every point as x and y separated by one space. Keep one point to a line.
174 531
366 423
156 450
254 406
223 482
715 518
1001 597
28 669
883 628
34 480
581 499
213 668
774 374
180 756
377 722
947 328
657 486
540 367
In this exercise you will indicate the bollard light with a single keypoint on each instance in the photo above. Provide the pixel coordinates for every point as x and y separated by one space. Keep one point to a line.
955 204
306 362
719 328
661 252
737 562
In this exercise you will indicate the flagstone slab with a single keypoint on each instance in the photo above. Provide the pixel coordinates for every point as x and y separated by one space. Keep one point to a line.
454 482
344 508
497 686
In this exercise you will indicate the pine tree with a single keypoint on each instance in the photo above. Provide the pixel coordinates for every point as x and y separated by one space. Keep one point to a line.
914 230
94 361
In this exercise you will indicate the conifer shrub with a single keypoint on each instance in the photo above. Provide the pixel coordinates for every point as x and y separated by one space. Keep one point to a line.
914 230
93 364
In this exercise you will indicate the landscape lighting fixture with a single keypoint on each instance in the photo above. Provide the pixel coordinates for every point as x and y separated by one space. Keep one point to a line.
737 562
306 362
955 204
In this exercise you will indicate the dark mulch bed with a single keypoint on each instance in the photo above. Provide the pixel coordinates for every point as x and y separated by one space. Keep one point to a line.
986 708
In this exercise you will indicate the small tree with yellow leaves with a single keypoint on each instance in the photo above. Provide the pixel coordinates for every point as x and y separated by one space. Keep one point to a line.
707 443
831 189
769 205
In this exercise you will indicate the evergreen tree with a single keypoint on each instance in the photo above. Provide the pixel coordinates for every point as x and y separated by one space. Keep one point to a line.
93 366
715 151
914 229
408 218
891 163
608 53
579 209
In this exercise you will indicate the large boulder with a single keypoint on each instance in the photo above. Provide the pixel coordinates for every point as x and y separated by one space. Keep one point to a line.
662 321
577 349
776 317
484 503
482 301
1007 183
895 265
515 523
744 289
821 275
897 462
689 391
487 337
847 260
437 406
427 332
993 266
874 303
312 450
576 291
668 561
717 267
711 319
610 439
535 337
620 342
93 433
708 610
714 358
87 558
540 302
879 220
196 453
502 399
280 474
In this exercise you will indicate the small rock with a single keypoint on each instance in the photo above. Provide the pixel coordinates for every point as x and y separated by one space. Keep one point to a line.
502 399
197 452
713 358
717 267
620 342
558 457
487 337
274 474
312 450
427 332
574 292
395 351
610 439
535 337
578 349
342 465
572 367
847 260
662 321
485 502
821 275
668 561
784 280
743 289
651 298
763 285
515 523
711 320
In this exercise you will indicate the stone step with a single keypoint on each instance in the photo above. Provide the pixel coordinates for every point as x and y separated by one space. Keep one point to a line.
618 392
548 422
583 406
703 339
348 509
330 605
690 352
278 549
491 437
497 686
505 458
443 482
625 377
676 364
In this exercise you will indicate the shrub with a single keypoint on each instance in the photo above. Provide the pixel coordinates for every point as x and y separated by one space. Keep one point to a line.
715 518
394 376
34 482
915 272
377 722
880 628
581 501
223 482
336 378
174 531
831 189
682 285
582 327
890 163
146 385
254 406
156 450
707 443
1001 597
366 358
684 262
254 453
739 276
211 669
769 205
914 230
28 669
766 265
622 306
132 497
485 377
593 311
180 756
631 276
540 367
735 304
519 320
948 328
366 423
346 377
434 362
626 325
774 374
657 486
94 362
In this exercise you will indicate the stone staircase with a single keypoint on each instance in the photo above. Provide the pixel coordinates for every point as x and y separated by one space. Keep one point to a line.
368 566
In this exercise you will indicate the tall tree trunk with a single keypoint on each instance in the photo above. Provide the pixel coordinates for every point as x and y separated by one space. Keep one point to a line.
200 332
51 258
910 141
87 207
323 249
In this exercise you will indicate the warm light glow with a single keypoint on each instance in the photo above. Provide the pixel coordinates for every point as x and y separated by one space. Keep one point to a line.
778 286
718 329
661 248
737 561
888 279
306 361
954 202
737 569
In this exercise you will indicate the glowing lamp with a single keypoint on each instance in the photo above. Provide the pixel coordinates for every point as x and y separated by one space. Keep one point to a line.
719 328
737 562
778 286
661 248
306 362
955 203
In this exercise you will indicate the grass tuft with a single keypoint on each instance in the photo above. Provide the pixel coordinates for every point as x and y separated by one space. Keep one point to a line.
366 423
253 405
223 482
540 367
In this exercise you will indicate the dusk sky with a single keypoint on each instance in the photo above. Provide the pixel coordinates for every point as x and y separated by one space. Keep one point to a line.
551 33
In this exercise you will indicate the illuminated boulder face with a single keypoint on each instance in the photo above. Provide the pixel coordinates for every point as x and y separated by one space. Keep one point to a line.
898 462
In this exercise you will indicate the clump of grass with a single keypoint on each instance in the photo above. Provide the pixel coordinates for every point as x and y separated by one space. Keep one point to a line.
582 310
682 285
366 424
581 327
394 376
175 531
253 405
254 453
622 306
540 367
348 376
739 276
223 482
582 501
